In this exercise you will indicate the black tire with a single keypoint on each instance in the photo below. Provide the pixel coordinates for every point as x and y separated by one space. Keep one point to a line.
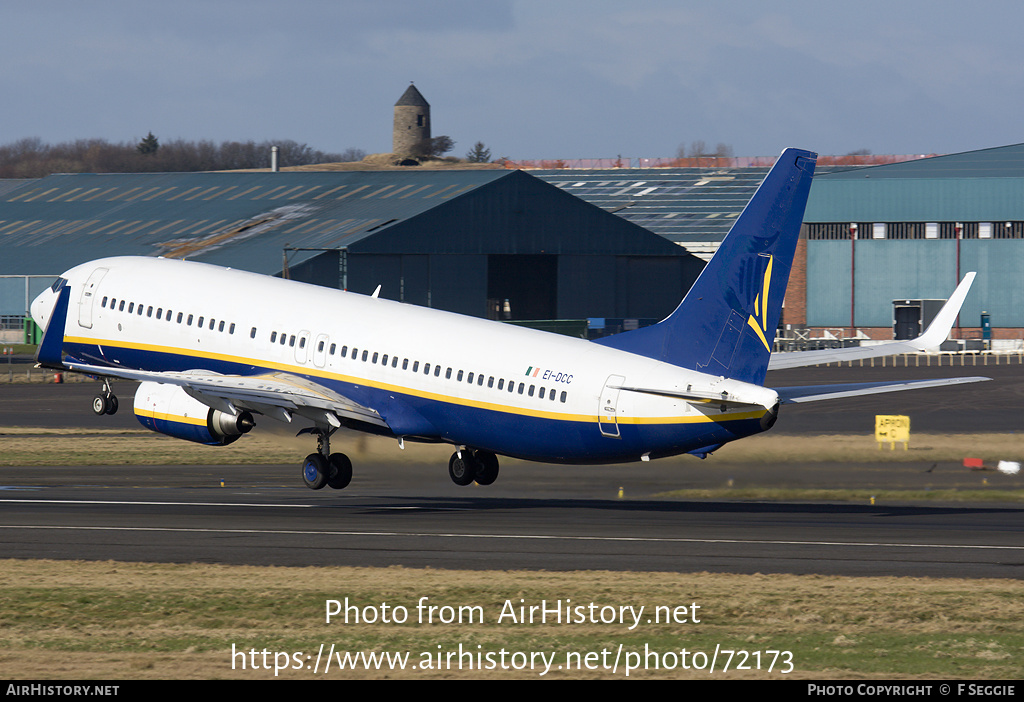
487 471
340 468
314 471
462 470
111 405
99 405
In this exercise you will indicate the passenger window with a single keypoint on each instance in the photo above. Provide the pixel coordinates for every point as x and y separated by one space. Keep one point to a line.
426 369
563 396
501 383
252 332
302 342
469 378
334 347
273 337
437 371
551 395
181 316
189 321
522 386
355 354
394 362
320 347
459 377
375 357
542 393
415 366
384 360
480 379
448 374
200 325
120 307
291 341
213 323
131 308
344 351
365 355
405 364
159 312
530 393
104 303
490 382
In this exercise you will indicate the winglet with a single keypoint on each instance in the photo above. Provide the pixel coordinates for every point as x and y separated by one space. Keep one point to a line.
49 352
940 326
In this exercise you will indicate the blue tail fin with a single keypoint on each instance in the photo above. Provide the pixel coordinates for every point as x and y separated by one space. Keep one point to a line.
726 323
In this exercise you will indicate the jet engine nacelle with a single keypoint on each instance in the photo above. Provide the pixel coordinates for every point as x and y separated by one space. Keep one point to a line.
168 409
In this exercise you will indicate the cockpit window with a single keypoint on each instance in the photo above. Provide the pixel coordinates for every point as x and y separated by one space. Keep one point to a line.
58 284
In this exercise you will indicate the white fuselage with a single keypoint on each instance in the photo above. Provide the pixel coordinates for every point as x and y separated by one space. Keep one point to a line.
484 384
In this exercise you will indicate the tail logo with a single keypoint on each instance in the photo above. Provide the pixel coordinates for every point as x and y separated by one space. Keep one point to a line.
758 321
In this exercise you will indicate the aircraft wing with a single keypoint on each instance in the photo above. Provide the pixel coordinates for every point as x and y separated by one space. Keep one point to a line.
934 335
279 395
813 393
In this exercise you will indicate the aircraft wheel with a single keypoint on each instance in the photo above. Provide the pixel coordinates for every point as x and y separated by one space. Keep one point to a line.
340 471
314 471
100 405
487 471
462 470
111 405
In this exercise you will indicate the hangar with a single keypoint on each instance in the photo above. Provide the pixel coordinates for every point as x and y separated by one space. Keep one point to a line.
909 231
492 243
903 231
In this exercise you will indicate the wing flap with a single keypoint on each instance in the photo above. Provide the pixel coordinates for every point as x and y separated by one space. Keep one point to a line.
278 394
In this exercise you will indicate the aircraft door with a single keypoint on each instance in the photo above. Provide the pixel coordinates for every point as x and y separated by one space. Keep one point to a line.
85 301
302 347
320 350
607 414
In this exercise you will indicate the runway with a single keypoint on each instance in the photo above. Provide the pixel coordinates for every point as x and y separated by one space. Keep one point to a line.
407 515
534 517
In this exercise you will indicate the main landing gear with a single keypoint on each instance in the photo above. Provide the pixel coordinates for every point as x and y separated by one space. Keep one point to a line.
106 401
323 467
472 465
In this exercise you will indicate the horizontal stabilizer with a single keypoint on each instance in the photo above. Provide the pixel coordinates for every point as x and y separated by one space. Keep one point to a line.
934 335
725 399
813 393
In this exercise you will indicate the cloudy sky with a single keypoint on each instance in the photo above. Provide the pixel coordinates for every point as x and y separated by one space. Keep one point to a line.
530 78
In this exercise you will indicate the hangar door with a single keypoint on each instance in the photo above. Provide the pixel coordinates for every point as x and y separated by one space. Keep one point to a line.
522 286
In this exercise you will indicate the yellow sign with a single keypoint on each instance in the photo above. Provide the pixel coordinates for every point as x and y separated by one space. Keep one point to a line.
892 428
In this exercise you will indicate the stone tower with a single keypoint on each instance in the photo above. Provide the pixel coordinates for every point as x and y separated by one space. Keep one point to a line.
412 121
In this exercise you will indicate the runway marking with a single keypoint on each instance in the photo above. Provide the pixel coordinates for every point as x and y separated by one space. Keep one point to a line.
140 502
219 504
535 537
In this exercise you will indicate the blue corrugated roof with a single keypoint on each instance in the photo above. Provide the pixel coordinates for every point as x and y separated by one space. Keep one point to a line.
201 215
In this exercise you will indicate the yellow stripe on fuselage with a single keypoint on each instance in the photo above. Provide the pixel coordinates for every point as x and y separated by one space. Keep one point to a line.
424 394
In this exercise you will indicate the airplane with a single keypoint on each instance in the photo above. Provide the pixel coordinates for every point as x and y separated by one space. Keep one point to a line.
214 348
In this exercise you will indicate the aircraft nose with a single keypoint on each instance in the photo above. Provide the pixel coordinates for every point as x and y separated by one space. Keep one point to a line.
42 307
